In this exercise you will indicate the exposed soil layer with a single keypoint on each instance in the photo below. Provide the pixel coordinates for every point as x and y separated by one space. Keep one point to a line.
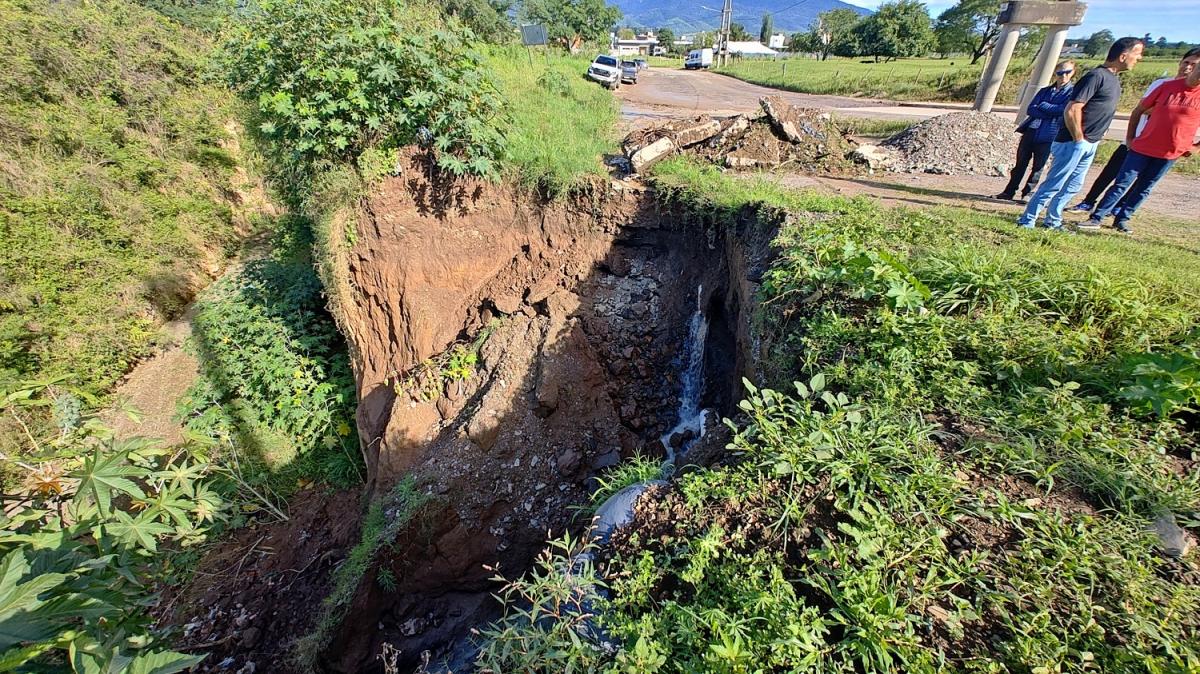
580 313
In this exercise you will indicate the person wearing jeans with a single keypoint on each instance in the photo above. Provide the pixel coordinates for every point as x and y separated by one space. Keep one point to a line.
1038 131
1071 161
1189 62
1085 121
1169 135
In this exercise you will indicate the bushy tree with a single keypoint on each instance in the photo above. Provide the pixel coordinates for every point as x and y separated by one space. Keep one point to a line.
1098 43
971 26
572 22
831 33
666 38
488 18
738 33
768 27
899 29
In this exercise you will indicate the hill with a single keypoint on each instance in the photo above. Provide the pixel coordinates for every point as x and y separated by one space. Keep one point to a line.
687 16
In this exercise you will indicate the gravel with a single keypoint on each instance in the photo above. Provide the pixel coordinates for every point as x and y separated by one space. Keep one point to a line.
954 144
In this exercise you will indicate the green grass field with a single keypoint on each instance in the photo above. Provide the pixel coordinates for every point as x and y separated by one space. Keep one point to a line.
914 79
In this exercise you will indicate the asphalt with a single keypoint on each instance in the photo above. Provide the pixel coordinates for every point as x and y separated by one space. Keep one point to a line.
669 93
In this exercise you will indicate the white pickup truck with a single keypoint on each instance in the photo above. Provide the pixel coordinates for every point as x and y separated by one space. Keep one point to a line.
606 71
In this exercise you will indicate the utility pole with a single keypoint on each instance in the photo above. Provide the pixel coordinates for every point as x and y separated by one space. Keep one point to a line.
1059 15
723 37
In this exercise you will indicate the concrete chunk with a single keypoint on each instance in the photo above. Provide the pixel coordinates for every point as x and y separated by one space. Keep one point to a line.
651 154
778 111
697 132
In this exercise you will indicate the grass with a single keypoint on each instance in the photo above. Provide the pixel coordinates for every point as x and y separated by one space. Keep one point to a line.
963 434
923 79
119 188
874 128
561 124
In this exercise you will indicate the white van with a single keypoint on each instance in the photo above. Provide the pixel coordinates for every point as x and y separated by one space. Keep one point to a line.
699 58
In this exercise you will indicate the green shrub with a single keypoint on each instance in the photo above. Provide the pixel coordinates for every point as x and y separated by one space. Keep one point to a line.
78 561
275 382
332 78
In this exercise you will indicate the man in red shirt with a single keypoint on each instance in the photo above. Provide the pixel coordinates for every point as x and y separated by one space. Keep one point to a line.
1169 135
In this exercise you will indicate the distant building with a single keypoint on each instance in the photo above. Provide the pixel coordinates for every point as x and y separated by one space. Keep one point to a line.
750 49
1072 50
642 44
777 41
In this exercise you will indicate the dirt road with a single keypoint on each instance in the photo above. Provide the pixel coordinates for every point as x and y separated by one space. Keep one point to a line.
666 93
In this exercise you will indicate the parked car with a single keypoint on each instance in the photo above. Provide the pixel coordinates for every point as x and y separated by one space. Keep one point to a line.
629 72
698 58
604 69
641 63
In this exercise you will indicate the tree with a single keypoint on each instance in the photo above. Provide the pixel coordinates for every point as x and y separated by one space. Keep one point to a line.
488 18
971 26
738 33
767 29
832 33
626 33
571 22
1098 43
666 38
898 29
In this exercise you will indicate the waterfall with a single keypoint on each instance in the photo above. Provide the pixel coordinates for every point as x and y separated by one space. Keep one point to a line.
691 417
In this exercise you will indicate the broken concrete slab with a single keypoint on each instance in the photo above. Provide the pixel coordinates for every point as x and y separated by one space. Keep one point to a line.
696 132
735 128
873 156
651 154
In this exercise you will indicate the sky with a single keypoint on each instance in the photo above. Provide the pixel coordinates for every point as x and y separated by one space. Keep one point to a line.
1175 19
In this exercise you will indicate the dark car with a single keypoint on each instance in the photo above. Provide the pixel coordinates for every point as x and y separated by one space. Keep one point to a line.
629 72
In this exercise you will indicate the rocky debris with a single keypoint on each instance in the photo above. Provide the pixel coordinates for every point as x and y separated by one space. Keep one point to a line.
781 135
872 156
954 144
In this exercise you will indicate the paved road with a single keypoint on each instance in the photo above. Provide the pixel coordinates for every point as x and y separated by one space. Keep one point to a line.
666 93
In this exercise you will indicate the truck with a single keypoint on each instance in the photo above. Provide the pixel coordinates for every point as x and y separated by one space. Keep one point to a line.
698 58
604 69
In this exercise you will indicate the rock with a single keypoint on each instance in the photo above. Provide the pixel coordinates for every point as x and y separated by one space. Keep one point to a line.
606 460
249 637
697 132
413 627
248 668
507 304
445 407
483 430
734 161
568 462
1175 541
733 130
651 154
873 156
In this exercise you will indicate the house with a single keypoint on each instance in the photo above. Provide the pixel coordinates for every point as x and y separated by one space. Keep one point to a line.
777 41
641 44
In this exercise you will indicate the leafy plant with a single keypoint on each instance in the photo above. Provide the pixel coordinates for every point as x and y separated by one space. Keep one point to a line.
332 78
75 558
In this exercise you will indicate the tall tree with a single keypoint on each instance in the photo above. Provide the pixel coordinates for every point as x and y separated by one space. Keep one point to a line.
626 33
666 38
768 27
831 33
970 26
738 33
898 29
1099 42
487 18
571 22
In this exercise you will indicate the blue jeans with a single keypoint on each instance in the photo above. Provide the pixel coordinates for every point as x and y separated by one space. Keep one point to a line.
1067 171
1138 175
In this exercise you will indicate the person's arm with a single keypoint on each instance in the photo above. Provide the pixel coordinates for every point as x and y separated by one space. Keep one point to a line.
1073 120
1036 106
1135 118
1052 109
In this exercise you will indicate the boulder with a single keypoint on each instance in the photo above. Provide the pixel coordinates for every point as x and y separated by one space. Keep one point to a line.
873 156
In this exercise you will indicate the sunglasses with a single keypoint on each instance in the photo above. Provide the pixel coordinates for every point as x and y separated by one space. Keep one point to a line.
1063 72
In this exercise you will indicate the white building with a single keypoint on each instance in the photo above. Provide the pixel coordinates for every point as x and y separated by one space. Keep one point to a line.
777 41
641 44
750 49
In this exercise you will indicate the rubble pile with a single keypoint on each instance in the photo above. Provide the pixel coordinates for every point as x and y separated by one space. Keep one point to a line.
954 144
780 135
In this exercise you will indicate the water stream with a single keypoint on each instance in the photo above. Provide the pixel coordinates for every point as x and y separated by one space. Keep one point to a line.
691 418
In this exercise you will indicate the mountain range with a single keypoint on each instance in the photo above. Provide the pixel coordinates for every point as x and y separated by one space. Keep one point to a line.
687 16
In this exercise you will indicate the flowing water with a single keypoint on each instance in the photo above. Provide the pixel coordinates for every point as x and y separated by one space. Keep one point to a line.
691 417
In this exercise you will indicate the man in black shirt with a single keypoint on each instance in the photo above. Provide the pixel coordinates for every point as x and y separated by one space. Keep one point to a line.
1085 121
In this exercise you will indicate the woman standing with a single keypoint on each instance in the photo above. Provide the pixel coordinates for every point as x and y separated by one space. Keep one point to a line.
1038 131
